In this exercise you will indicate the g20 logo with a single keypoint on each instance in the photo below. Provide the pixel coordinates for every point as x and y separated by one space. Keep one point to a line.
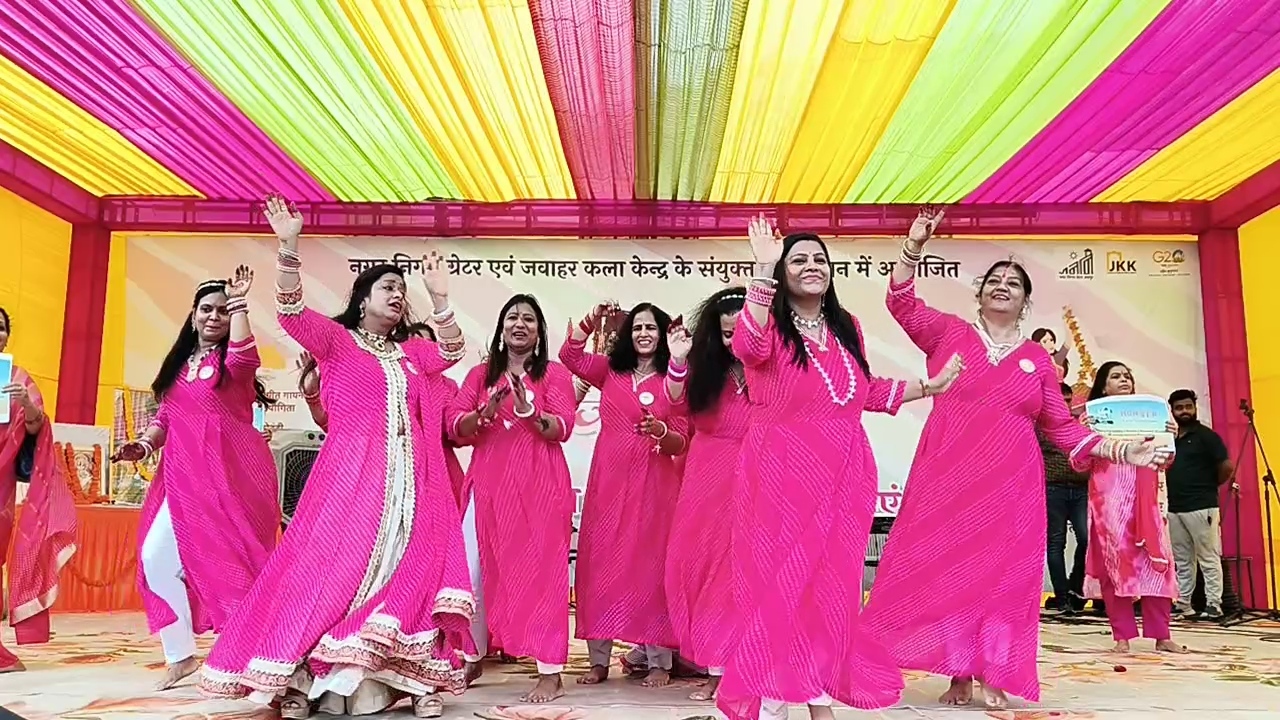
1169 257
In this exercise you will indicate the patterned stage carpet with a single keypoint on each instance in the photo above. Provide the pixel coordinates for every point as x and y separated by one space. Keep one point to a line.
102 667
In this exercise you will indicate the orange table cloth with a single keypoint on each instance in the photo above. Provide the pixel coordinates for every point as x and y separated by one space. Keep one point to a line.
102 575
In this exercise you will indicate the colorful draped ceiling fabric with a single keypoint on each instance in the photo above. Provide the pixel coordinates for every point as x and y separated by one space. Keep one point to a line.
735 101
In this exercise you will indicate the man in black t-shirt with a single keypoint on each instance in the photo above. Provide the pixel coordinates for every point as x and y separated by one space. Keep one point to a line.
1200 467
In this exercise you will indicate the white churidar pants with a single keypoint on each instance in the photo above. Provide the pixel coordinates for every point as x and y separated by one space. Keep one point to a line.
162 569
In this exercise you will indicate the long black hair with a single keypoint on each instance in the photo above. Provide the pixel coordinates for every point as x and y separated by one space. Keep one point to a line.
536 365
349 318
623 356
1099 388
709 359
185 346
839 321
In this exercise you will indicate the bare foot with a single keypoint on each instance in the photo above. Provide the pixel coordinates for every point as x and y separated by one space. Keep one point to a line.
821 712
960 692
176 672
657 677
1170 646
993 698
17 666
1121 646
471 672
707 691
596 675
549 688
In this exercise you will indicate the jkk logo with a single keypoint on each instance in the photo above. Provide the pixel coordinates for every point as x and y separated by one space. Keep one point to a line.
1117 265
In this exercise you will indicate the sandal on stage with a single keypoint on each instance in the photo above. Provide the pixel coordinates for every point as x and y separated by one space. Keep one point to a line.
295 706
428 706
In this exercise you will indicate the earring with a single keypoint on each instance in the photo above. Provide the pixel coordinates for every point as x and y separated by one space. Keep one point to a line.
502 344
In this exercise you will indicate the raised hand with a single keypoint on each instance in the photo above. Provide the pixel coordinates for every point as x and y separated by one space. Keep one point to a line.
239 283
285 220
308 374
766 241
679 341
1146 454
435 275
941 382
490 409
519 396
923 227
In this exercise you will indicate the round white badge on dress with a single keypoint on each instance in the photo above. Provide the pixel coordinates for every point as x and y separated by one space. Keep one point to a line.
528 396
646 398
1026 365
205 373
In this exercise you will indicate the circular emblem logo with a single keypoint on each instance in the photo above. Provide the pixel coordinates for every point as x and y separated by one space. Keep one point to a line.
205 373
1027 366
646 398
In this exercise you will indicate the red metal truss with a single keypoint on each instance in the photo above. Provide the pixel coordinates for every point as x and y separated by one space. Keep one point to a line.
667 219
30 180
1246 201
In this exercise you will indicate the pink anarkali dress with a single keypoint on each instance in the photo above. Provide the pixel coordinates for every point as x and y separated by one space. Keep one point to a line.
212 512
805 497
1130 554
524 502
368 596
626 515
958 589
699 579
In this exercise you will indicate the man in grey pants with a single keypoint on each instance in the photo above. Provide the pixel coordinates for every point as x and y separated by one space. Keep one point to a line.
1200 467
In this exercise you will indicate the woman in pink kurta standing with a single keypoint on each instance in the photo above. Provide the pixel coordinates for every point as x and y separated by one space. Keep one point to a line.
959 584
367 598
631 491
712 389
1129 555
516 410
212 513
46 533
806 492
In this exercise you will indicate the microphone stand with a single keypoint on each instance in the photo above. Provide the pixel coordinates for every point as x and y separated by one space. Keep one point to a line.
1245 613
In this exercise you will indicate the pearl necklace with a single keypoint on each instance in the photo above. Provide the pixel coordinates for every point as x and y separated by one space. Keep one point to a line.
193 362
826 379
996 351
374 340
806 323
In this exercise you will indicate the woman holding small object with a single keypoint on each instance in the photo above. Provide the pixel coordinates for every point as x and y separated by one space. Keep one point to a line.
1130 555
211 514
631 491
516 410
712 389
45 535
806 491
978 450
367 599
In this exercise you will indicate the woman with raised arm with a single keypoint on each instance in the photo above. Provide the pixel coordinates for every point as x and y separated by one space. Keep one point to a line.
978 452
1129 554
712 389
516 410
367 599
46 533
806 491
211 514
631 491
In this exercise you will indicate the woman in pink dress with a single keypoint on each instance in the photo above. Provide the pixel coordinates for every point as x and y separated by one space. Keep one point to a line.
631 491
46 532
367 598
712 389
516 410
806 492
1129 554
212 513
959 584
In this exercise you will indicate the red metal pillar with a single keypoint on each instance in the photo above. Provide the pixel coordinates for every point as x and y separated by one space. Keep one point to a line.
82 327
1227 353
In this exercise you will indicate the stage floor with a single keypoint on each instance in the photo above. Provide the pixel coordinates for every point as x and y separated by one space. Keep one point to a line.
102 667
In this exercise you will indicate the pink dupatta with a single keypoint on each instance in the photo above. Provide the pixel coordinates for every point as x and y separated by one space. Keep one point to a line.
1148 518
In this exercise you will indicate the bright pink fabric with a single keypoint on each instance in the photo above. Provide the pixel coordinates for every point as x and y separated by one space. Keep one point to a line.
626 514
1156 613
46 532
959 584
314 603
1129 552
588 57
103 56
524 515
699 579
1190 62
219 479
805 498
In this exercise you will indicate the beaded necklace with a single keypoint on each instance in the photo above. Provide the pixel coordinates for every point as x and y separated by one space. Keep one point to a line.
826 379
